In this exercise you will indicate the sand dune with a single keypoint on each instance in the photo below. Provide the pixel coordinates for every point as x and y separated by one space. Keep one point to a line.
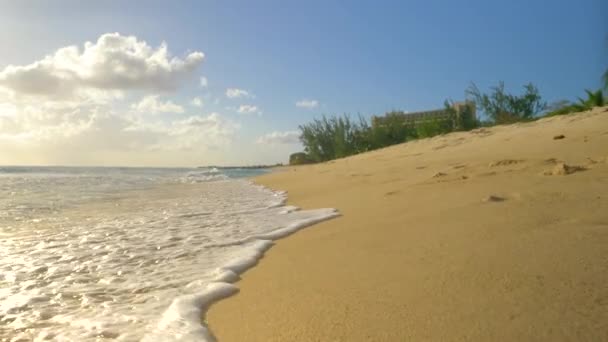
498 234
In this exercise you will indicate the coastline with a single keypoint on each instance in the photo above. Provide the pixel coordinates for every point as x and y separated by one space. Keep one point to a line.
481 235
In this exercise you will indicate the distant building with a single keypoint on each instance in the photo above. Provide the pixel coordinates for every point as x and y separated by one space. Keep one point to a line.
455 115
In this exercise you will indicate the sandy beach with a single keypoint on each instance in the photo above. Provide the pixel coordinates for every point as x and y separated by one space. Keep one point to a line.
498 234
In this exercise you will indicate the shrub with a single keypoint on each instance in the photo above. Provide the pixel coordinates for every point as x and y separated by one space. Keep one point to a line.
393 130
340 136
336 137
299 158
594 99
503 107
431 128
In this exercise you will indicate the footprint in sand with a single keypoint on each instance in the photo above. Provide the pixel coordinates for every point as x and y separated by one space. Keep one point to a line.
552 161
506 162
442 177
563 169
360 174
481 131
592 161
487 174
494 198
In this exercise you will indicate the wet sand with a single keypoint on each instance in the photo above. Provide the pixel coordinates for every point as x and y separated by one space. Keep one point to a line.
499 234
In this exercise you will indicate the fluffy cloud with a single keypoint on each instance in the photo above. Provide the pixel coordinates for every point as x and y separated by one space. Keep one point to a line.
197 102
235 93
276 138
114 62
248 109
203 82
308 104
73 106
151 105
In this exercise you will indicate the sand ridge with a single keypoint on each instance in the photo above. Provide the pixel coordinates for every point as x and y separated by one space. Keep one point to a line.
496 234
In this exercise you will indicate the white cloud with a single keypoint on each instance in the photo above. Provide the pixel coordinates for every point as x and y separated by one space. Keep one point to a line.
203 82
197 102
151 105
276 138
308 104
63 130
73 107
114 62
248 109
36 121
235 93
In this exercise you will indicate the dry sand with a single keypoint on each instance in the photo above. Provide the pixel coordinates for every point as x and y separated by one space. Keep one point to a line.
498 234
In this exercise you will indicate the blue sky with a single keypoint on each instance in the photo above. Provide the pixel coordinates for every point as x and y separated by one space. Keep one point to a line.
354 57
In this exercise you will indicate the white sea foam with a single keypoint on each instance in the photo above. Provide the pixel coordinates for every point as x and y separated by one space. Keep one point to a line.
139 258
181 321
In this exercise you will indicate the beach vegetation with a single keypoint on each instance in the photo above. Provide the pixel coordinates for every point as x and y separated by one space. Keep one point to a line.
334 137
431 128
502 107
560 107
299 158
593 99
462 116
392 131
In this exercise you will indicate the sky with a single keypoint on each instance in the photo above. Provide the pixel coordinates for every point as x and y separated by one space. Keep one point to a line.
191 83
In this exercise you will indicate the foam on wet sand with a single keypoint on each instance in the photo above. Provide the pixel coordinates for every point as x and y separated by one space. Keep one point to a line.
143 256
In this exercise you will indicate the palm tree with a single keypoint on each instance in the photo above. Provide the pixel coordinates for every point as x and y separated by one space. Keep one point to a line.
594 99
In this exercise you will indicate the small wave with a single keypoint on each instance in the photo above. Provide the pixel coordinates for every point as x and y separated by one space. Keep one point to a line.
211 171
127 264
208 175
181 321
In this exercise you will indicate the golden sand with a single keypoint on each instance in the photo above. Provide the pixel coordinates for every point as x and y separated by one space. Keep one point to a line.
498 234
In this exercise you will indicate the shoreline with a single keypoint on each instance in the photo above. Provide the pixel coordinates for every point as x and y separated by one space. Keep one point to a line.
481 235
186 313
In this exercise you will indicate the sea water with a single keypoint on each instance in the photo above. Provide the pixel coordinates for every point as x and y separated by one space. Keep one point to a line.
129 254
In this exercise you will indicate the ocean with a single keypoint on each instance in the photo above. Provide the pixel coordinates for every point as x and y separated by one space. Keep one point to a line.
129 254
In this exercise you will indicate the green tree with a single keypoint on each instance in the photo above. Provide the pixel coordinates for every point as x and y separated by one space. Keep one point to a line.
503 107
393 130
335 137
